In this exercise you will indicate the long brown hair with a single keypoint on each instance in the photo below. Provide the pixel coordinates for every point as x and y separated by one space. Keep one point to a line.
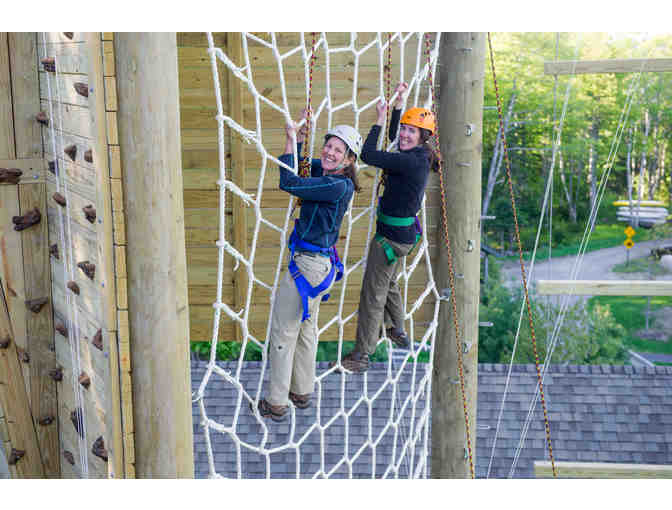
350 171
425 135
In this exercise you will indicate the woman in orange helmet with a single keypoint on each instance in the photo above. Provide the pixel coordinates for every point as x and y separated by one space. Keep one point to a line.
397 227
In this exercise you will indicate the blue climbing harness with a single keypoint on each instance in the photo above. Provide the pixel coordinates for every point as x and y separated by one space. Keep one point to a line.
305 289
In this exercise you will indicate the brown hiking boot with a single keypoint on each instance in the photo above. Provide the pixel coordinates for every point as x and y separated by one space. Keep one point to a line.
277 413
300 401
356 362
398 337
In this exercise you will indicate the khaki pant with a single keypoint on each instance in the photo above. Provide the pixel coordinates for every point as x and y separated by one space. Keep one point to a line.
380 298
293 344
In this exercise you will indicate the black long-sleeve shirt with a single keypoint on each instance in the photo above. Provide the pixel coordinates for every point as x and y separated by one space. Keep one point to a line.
325 200
407 173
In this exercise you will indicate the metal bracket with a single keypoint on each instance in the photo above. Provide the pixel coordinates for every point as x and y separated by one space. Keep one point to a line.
470 128
470 245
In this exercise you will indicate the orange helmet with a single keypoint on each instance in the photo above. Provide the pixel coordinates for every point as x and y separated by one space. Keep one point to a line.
419 117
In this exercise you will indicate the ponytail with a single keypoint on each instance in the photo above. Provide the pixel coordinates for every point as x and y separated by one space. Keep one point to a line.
433 154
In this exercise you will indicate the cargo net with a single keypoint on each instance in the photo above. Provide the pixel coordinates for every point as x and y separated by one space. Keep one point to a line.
372 425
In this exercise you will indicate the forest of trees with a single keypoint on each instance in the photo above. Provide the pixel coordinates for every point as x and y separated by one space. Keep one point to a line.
615 125
598 130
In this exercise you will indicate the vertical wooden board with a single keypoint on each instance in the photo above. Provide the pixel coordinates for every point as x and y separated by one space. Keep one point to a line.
102 98
7 149
37 274
11 270
14 400
25 93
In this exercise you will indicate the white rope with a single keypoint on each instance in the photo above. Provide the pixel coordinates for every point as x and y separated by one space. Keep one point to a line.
68 263
408 419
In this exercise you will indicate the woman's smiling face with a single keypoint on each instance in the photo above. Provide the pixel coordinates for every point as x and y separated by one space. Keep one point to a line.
333 154
409 137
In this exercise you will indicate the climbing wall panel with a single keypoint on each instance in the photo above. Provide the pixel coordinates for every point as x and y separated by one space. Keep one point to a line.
77 221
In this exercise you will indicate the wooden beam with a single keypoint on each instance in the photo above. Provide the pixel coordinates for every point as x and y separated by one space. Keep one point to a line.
461 73
39 326
25 93
7 147
604 287
14 402
158 312
630 65
106 257
543 469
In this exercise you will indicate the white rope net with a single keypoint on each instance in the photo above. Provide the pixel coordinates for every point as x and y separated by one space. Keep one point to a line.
372 425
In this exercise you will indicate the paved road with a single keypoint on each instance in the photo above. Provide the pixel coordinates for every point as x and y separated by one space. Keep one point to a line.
596 265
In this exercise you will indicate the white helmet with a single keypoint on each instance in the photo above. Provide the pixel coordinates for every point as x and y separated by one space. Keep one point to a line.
349 135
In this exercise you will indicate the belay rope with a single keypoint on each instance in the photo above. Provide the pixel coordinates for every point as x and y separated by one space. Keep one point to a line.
522 264
304 165
451 271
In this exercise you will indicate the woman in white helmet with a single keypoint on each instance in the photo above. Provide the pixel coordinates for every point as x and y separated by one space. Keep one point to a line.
313 264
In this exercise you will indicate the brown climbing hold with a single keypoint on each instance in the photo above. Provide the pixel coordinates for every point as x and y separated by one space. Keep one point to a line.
69 457
49 64
15 456
56 374
98 340
46 420
88 268
73 287
59 199
42 118
53 250
10 175
77 421
99 448
23 355
88 156
84 380
29 219
53 167
82 89
69 35
71 150
60 327
4 343
35 305
90 213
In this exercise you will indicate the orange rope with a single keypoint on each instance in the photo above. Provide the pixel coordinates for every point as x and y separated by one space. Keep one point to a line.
304 165
522 264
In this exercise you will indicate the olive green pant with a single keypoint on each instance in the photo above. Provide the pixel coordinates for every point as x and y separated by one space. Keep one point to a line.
380 298
293 344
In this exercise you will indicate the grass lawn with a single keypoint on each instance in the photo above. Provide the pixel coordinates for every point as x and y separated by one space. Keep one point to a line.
630 311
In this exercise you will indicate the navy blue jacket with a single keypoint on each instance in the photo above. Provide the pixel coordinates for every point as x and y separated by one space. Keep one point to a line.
325 198
405 183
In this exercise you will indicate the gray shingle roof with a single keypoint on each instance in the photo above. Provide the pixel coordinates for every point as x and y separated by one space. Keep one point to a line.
597 414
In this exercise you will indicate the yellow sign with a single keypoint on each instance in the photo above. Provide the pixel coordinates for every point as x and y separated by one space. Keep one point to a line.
629 231
629 243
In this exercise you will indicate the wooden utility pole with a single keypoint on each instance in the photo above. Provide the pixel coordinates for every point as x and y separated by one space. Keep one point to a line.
149 137
461 79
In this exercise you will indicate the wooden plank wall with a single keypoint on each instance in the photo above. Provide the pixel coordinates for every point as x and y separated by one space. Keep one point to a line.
91 309
200 162
24 254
